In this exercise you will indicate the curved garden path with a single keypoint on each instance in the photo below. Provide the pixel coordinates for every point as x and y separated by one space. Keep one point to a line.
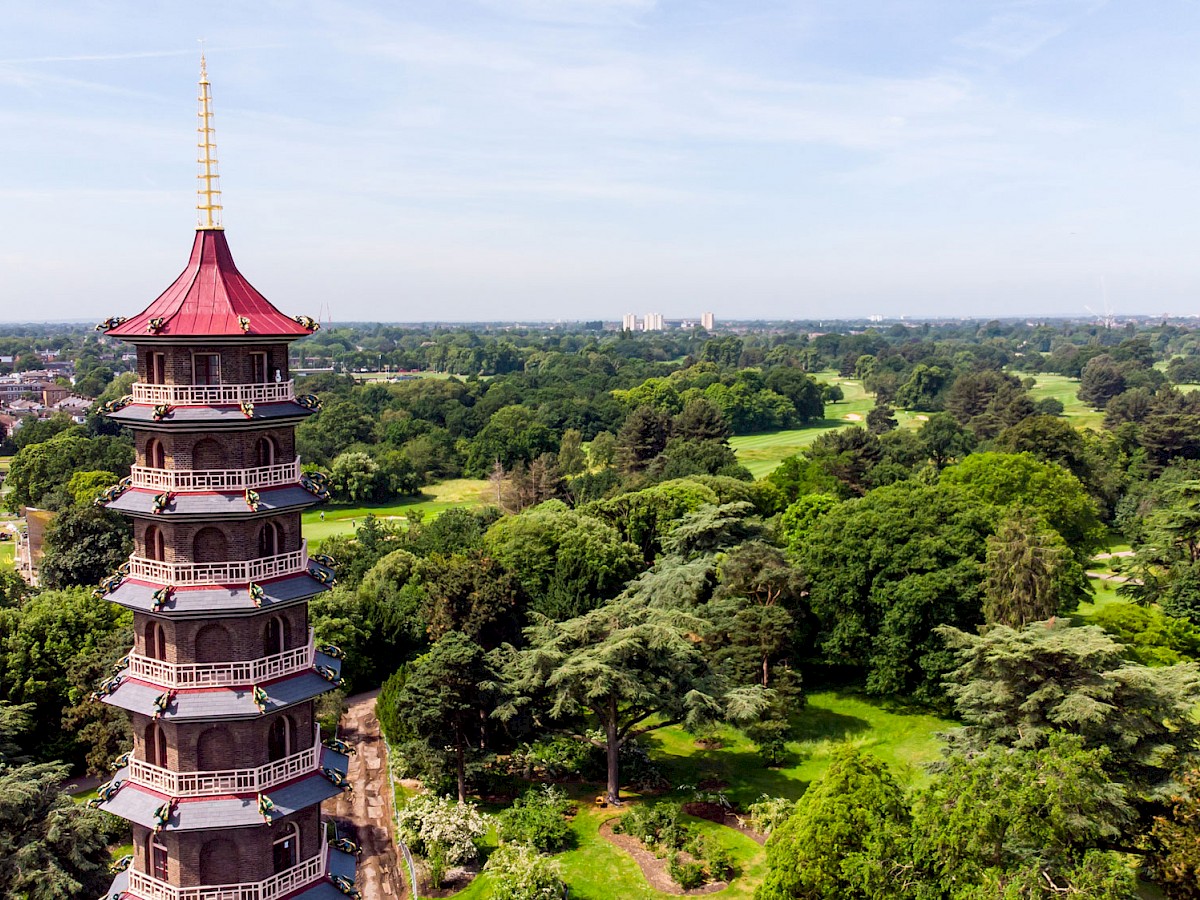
366 815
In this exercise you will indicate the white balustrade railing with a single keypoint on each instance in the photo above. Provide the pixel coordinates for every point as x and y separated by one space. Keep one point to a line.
213 394
222 674
150 888
235 571
231 781
215 479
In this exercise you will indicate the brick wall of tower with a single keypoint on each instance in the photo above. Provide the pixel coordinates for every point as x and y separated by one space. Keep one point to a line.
246 739
246 636
228 856
235 450
214 541
236 363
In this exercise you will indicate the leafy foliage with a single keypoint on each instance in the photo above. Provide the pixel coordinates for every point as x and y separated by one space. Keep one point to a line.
1017 688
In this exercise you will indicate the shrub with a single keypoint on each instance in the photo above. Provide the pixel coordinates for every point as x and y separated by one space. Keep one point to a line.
519 873
687 875
538 818
656 825
559 757
768 813
440 827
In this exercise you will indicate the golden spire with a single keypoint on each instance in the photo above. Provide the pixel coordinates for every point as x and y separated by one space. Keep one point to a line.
208 199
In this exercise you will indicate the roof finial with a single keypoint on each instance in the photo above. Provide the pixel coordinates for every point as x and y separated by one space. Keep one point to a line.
208 199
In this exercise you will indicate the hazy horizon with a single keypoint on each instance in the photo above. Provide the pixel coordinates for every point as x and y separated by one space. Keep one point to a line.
542 160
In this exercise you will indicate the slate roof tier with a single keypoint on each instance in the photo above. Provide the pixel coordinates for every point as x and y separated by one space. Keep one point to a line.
222 600
213 505
212 704
137 804
211 418
209 299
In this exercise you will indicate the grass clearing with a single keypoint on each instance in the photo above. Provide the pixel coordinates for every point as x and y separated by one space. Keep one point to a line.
594 869
7 551
1063 389
761 453
902 738
433 500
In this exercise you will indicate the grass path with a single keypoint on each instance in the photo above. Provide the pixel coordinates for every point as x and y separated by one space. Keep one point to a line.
434 499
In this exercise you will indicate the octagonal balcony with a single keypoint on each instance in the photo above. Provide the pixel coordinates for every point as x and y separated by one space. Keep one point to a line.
213 394
278 475
229 781
286 882
239 571
222 674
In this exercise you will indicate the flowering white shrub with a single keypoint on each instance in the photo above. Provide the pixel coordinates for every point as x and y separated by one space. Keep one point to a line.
519 872
431 824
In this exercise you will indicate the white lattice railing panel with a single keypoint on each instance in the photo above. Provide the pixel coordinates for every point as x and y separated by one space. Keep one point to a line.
215 479
287 881
221 674
193 574
213 394
231 781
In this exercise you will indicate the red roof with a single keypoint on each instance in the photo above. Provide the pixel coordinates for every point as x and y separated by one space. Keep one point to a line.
208 299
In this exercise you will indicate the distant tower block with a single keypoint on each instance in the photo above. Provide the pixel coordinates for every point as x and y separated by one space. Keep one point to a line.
629 322
224 783
707 321
653 322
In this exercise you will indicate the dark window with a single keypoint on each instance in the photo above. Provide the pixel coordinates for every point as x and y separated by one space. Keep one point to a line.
258 368
206 368
286 855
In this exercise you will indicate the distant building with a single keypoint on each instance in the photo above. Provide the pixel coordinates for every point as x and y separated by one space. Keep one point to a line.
707 321
652 322
29 543
52 394
629 322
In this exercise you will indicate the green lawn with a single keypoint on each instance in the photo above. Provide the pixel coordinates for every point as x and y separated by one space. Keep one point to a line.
904 739
1063 389
6 554
434 499
596 870
761 453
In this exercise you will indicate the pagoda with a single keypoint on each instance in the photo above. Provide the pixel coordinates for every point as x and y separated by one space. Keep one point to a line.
224 783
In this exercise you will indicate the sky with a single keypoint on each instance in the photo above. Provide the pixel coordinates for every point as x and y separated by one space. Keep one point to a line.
580 159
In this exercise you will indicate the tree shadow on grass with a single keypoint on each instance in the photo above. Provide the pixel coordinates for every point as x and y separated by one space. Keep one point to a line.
816 723
743 771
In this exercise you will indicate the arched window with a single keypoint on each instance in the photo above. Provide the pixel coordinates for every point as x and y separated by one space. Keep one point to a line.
155 546
209 545
266 450
212 644
156 745
208 454
270 540
275 635
214 750
280 739
156 454
156 858
155 640
218 858
287 848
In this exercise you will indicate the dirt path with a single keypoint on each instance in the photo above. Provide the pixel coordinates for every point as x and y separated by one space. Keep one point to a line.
367 813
